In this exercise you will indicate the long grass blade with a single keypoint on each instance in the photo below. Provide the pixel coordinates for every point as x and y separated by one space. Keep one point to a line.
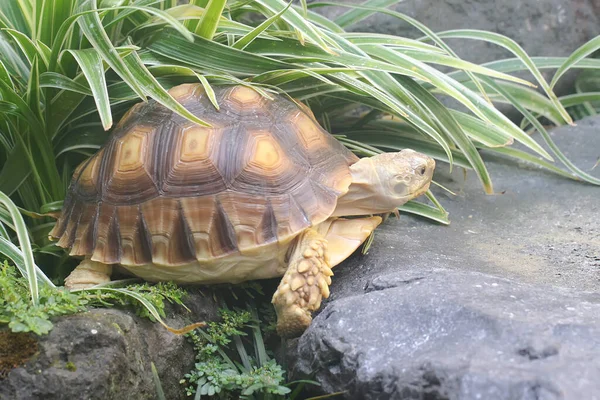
12 60
92 28
529 98
162 16
11 251
250 36
92 66
212 56
304 27
33 89
539 127
579 54
356 15
26 45
37 130
16 15
209 91
524 156
579 98
455 131
5 75
392 41
25 244
448 61
210 19
518 51
160 393
259 343
61 82
425 210
515 64
153 88
428 32
483 132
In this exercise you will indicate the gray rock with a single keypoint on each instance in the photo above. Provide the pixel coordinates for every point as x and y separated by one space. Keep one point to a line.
106 354
503 303
442 334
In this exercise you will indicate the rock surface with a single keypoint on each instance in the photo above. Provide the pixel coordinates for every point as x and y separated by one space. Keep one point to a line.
443 334
106 354
439 319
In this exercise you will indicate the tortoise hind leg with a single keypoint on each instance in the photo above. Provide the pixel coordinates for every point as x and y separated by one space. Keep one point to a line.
87 274
303 286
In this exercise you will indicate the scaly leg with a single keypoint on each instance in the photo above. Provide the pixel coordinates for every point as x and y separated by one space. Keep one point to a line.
87 274
303 286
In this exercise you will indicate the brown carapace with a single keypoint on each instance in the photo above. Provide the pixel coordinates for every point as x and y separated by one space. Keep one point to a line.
166 191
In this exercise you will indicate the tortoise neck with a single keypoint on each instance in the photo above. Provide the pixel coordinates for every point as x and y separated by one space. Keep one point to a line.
366 194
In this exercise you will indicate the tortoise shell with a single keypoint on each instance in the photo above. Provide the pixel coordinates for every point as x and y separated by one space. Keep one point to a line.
166 191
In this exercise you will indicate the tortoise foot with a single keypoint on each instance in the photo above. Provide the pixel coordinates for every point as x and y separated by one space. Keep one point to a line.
87 274
305 283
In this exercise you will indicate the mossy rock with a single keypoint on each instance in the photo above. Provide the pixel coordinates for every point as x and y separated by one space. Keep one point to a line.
100 354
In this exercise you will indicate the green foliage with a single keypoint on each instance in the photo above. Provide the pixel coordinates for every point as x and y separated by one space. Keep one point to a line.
213 378
157 294
22 315
255 376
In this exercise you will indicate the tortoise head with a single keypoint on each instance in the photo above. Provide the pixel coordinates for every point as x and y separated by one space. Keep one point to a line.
386 181
403 175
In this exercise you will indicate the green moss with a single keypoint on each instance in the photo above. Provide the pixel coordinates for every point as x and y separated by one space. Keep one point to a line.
71 366
15 350
118 328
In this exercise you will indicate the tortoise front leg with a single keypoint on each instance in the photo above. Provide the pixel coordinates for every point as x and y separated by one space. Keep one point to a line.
303 286
87 274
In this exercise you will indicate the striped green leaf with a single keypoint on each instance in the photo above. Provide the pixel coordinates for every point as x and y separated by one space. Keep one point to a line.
92 66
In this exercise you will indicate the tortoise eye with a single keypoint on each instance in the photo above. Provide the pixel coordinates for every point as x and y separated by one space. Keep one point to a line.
422 170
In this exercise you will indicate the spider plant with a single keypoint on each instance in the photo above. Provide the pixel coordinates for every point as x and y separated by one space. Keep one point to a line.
70 68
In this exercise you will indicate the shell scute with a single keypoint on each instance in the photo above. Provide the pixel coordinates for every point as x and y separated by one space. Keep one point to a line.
266 168
168 231
136 243
185 92
243 101
87 175
291 217
188 168
130 166
107 246
85 235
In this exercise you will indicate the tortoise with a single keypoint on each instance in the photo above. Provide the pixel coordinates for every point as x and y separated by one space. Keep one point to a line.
262 192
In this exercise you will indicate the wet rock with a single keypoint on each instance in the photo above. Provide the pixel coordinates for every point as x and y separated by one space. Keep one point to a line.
106 354
443 334
502 304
